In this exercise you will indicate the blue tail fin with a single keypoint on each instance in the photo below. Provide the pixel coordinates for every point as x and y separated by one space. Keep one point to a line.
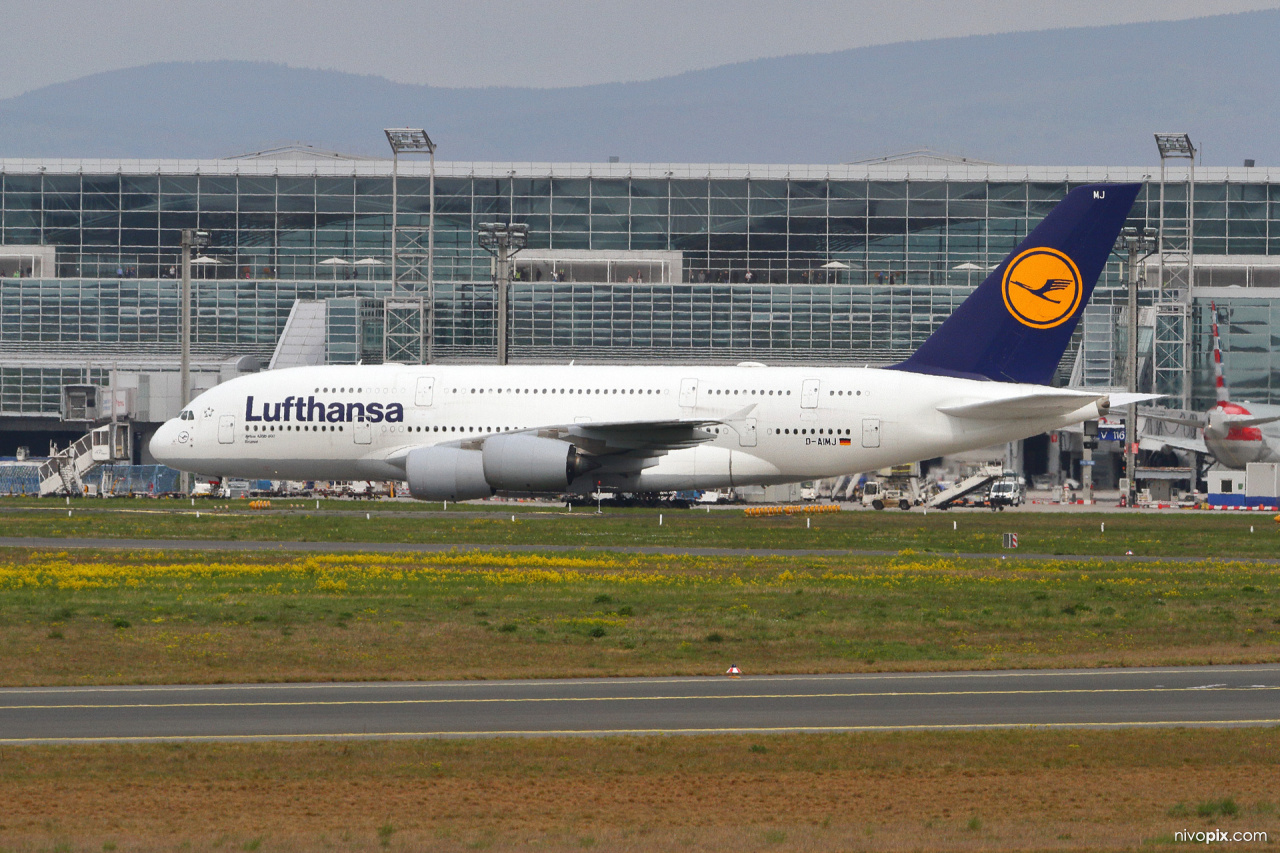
1017 324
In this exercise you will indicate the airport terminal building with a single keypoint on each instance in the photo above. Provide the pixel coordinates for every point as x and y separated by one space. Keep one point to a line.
314 257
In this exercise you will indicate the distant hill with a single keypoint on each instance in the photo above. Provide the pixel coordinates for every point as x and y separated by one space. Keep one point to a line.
1088 96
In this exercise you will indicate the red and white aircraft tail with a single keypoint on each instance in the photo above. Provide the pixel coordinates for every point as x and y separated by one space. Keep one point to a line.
1231 432
1219 382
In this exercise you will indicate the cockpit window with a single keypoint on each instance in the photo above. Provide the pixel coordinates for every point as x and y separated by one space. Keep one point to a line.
187 415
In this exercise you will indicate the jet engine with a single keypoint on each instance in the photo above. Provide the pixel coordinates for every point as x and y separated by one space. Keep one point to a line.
527 463
446 474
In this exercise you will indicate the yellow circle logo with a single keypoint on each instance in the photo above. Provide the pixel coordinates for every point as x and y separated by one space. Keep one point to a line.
1042 288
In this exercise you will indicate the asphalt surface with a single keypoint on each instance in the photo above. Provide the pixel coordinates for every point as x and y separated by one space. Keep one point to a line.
1166 696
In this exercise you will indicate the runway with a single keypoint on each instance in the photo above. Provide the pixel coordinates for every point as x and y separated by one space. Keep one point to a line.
1164 696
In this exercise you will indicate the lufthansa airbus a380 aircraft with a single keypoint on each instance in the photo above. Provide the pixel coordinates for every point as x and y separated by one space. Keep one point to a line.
461 432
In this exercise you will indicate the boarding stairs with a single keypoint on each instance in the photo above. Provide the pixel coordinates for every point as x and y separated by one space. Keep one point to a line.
967 486
64 471
843 487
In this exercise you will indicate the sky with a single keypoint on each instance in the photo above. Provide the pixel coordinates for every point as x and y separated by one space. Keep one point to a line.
538 43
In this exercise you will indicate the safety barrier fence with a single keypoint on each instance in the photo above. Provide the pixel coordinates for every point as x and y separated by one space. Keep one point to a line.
20 479
813 509
134 479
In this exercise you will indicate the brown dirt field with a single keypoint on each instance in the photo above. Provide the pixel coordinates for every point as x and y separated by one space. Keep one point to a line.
1006 790
366 651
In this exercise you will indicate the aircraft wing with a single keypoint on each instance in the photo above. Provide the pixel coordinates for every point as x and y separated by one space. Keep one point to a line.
639 438
608 438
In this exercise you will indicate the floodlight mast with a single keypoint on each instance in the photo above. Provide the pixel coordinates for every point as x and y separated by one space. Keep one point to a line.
1175 145
414 140
199 239
502 240
1176 245
1134 242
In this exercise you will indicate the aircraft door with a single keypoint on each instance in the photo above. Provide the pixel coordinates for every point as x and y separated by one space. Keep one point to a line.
362 432
227 429
809 394
688 393
747 433
870 432
426 391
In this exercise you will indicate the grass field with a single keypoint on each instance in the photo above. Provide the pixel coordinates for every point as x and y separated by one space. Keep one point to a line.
1185 533
81 617
1004 790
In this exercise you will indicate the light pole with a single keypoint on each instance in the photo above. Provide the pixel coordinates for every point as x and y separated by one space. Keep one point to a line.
1177 247
503 240
414 140
190 237
1135 242
1090 436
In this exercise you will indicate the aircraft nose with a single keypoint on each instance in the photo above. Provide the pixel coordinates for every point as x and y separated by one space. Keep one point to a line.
161 445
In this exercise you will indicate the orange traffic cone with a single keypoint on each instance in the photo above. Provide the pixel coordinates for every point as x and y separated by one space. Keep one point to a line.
733 671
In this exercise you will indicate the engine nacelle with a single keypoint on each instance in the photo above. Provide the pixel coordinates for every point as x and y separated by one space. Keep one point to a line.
446 474
527 463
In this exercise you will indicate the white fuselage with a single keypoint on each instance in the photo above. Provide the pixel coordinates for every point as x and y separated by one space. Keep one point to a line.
773 424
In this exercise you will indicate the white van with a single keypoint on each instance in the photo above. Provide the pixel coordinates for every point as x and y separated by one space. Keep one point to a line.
1006 492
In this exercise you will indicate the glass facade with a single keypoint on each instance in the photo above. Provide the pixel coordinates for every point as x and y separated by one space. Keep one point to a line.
27 390
281 227
1250 332
911 241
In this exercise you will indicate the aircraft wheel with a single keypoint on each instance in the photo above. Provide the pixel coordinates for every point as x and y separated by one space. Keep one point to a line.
877 504
904 504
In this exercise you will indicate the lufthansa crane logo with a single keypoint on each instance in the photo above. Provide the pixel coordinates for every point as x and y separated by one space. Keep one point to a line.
1042 288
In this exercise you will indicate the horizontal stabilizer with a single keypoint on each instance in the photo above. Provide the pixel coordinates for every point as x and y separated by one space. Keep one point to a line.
1039 404
1197 421
1236 421
1120 399
1229 420
1158 443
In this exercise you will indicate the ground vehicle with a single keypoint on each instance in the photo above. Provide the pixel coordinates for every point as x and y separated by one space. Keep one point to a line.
1004 492
892 491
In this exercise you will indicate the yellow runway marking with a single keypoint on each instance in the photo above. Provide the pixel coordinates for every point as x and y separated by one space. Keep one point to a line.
625 732
706 679
724 697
